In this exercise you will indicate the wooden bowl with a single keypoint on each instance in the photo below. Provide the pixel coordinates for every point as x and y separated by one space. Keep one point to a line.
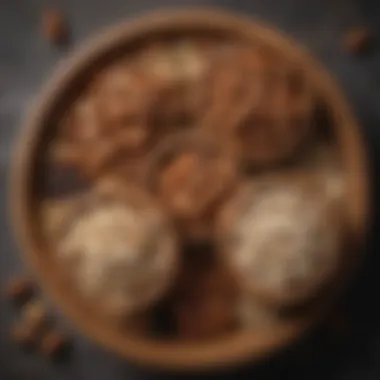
241 345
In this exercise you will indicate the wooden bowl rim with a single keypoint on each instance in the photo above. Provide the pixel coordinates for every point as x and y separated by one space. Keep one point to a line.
170 355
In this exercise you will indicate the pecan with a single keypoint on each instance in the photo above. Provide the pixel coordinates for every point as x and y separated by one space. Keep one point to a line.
19 288
261 110
191 175
54 26
358 40
53 343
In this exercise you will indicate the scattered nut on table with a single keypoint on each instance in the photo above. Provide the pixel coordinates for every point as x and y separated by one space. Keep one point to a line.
53 343
357 40
54 26
19 289
23 334
36 316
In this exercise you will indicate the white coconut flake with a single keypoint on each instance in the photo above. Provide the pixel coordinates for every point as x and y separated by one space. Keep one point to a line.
117 248
281 238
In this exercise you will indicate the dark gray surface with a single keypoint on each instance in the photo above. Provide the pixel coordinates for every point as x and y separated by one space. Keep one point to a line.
26 61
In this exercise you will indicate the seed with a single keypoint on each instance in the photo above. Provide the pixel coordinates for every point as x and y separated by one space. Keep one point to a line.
35 316
19 289
22 334
54 27
357 40
53 343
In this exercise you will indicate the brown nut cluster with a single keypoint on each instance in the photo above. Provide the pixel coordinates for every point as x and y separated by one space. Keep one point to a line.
34 328
264 111
178 105
122 95
109 125
191 175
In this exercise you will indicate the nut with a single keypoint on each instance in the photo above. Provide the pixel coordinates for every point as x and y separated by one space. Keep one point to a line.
64 154
19 289
82 123
357 40
106 155
264 118
23 334
176 105
237 84
53 343
122 95
191 184
35 316
191 174
54 26
174 181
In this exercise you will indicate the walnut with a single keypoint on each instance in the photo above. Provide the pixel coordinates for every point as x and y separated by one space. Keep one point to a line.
53 343
262 111
177 105
82 124
109 154
122 95
191 176
235 86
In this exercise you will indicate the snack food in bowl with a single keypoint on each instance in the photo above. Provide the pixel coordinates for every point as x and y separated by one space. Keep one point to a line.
121 103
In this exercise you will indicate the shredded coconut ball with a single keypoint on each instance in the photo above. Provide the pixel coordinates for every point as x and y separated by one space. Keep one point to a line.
283 241
120 254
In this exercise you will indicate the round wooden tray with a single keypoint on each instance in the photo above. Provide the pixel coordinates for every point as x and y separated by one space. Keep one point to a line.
241 345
